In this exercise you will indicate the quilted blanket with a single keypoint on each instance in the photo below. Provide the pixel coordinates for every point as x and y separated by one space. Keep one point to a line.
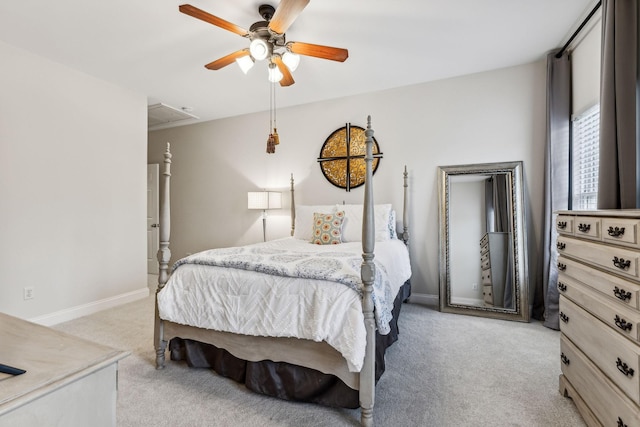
340 267
286 288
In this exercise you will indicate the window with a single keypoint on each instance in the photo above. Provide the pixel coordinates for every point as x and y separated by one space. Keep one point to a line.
585 154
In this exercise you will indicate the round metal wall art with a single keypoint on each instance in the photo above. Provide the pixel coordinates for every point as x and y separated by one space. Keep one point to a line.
342 157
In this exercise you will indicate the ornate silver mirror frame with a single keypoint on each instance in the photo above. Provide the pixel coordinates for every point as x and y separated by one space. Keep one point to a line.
469 284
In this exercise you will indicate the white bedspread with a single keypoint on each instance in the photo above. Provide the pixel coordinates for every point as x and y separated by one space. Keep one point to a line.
254 300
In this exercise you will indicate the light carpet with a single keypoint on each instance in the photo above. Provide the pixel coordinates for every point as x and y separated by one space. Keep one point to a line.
445 370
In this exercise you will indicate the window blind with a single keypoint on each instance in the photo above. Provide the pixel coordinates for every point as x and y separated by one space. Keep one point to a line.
584 168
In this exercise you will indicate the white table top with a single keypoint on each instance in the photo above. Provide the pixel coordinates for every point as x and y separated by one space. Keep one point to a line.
51 358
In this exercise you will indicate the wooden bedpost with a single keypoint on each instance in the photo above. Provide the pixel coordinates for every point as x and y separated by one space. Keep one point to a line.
164 253
293 209
368 274
405 215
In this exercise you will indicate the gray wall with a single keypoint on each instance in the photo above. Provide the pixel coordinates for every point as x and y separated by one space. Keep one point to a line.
72 190
487 117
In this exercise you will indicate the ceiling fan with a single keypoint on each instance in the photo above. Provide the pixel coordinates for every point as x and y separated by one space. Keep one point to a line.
268 41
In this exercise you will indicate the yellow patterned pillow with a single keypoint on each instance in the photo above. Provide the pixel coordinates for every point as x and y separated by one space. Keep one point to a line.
327 228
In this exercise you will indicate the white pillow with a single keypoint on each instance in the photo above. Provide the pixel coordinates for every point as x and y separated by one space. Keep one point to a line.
303 224
352 225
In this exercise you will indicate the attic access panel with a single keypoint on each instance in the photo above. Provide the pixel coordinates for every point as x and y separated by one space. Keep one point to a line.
160 114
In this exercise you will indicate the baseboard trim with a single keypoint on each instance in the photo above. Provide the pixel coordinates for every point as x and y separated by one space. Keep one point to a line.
425 299
90 308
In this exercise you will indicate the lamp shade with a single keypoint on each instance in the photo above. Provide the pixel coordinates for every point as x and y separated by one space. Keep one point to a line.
275 75
264 200
245 63
291 60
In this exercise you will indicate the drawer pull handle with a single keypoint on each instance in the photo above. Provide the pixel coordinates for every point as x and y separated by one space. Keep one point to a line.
561 266
624 368
623 324
562 224
621 263
621 423
564 359
562 287
564 317
616 231
584 227
621 294
561 246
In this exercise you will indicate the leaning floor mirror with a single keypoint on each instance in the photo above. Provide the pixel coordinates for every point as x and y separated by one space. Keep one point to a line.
483 262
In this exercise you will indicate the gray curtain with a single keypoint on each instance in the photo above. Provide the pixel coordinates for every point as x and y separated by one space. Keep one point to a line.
617 181
496 204
556 185
501 202
490 216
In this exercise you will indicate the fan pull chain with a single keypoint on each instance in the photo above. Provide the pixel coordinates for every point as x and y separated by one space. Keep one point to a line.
271 146
276 137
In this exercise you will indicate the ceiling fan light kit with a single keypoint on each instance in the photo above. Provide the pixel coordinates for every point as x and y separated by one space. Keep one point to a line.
268 41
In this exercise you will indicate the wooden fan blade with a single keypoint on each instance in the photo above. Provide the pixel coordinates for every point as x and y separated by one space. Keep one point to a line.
211 19
287 80
226 60
286 13
319 51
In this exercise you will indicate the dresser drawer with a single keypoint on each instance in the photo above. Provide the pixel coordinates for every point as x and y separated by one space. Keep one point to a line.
604 399
487 293
621 231
619 317
615 355
485 261
564 224
486 277
587 227
622 291
618 260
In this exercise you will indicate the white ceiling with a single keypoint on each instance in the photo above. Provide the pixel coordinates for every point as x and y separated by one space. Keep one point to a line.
152 48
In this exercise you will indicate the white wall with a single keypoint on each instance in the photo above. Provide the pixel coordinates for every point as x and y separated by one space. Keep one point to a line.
487 117
72 189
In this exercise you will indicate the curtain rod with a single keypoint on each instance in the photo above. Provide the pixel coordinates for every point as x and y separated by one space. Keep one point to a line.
573 36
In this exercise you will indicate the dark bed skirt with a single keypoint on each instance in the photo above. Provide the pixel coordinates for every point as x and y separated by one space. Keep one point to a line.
285 380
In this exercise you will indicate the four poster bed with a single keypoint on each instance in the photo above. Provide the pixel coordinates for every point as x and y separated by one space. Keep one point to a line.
289 318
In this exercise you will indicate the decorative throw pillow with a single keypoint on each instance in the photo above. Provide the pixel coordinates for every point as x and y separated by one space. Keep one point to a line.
327 228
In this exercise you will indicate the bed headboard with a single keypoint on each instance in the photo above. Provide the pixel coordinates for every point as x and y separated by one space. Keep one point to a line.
404 235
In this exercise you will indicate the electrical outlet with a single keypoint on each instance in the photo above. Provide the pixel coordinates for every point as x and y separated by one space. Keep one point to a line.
474 286
28 293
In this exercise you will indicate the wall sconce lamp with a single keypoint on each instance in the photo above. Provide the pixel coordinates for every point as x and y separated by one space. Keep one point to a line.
264 200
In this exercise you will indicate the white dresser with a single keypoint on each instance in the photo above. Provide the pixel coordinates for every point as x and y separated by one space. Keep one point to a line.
70 382
599 286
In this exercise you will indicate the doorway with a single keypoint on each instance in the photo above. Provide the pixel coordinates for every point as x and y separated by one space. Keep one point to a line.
153 230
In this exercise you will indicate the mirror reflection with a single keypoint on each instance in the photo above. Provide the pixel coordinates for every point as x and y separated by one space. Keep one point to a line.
483 267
